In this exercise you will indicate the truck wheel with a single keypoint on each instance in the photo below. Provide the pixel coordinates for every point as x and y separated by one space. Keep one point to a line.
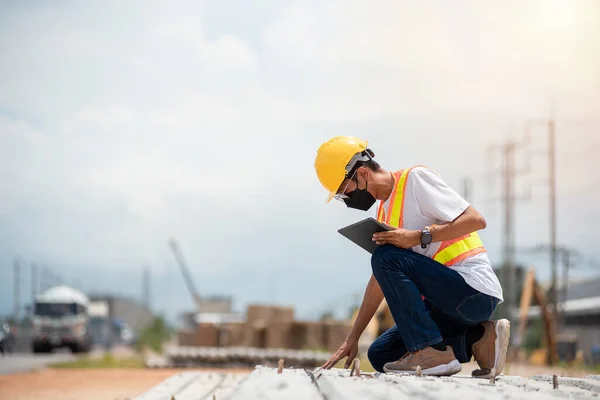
41 348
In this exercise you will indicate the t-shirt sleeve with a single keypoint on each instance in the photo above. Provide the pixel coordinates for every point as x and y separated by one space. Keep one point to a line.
436 199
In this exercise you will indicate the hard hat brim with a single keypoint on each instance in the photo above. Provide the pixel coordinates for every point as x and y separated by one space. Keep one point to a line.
330 196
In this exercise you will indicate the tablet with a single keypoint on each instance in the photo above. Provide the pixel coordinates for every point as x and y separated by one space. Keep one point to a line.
361 233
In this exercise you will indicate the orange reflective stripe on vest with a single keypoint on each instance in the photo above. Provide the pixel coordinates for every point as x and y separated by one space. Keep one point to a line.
450 252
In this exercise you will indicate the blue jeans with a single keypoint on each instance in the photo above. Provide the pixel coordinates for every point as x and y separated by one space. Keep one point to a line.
450 308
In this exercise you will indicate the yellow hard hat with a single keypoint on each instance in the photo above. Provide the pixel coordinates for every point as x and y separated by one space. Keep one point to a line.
333 158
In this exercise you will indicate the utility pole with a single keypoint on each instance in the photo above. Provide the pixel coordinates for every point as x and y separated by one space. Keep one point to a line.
44 279
17 288
34 282
550 152
566 256
146 287
509 173
552 195
466 189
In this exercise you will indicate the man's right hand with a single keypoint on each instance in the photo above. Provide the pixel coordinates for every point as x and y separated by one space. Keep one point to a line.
348 349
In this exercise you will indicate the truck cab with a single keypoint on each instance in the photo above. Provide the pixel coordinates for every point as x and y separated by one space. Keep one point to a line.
60 319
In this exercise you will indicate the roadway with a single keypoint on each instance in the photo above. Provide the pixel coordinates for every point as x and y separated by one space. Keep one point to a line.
23 362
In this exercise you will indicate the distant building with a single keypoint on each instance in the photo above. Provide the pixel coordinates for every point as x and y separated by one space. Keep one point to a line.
216 304
213 310
116 319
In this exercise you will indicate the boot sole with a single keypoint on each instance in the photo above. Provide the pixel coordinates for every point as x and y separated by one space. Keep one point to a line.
501 347
451 368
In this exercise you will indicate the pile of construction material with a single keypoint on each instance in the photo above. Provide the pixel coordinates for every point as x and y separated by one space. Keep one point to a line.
266 327
235 357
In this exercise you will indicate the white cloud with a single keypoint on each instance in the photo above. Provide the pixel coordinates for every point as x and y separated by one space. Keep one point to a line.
125 124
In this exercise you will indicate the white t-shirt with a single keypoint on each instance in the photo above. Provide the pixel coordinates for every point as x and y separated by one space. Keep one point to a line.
429 200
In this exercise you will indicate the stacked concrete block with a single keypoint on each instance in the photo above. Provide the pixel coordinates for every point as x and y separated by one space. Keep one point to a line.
255 335
266 325
262 314
186 338
234 334
207 335
308 335
278 335
335 334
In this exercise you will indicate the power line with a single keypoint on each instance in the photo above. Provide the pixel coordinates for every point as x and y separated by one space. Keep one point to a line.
509 173
17 289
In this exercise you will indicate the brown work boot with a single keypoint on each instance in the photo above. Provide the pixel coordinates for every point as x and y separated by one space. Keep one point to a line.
490 350
432 362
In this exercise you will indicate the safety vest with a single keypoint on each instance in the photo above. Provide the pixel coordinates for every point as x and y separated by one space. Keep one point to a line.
450 252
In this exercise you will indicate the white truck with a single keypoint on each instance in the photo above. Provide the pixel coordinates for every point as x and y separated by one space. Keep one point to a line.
60 319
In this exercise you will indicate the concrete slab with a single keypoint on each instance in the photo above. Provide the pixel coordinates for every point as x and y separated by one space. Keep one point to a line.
585 384
337 384
265 383
170 386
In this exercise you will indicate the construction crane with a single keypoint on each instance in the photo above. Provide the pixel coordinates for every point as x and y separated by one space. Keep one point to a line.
186 273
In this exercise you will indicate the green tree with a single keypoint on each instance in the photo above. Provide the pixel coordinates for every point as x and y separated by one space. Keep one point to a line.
154 335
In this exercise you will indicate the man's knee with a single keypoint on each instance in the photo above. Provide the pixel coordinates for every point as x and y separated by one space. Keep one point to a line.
383 254
379 254
375 357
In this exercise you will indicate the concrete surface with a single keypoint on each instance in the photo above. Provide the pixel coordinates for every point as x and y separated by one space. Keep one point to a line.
194 386
21 362
337 384
266 383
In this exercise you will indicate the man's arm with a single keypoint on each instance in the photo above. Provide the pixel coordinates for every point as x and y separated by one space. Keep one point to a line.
469 221
439 202
371 301
349 348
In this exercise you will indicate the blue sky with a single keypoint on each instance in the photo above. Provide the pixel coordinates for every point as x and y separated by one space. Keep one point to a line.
123 124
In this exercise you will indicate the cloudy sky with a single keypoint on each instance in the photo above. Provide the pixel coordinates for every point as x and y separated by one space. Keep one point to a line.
125 123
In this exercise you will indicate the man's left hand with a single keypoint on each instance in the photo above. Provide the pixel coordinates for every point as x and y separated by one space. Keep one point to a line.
403 238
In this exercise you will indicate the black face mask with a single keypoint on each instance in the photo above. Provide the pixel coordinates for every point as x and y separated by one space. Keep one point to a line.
360 199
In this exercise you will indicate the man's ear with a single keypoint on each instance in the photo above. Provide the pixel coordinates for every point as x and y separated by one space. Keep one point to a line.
363 173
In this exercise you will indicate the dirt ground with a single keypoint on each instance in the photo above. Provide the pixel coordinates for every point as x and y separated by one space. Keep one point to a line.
82 384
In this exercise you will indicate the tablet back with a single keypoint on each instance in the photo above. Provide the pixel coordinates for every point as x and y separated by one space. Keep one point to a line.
361 233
